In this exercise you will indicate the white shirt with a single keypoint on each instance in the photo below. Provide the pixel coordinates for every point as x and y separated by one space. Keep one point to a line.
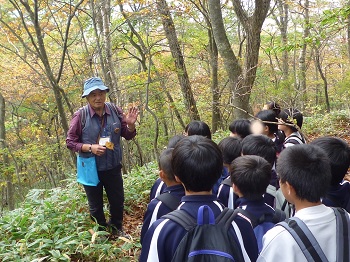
279 245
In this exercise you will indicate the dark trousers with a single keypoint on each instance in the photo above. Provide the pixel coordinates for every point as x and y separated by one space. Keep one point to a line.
112 182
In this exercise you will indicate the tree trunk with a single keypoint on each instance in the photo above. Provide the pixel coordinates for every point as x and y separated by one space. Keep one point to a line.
5 159
302 56
176 53
112 81
241 78
282 22
348 31
143 52
214 56
324 79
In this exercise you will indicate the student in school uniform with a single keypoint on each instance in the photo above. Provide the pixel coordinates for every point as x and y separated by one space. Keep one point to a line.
259 145
338 152
240 128
251 176
197 164
160 206
159 186
269 129
305 173
231 148
294 117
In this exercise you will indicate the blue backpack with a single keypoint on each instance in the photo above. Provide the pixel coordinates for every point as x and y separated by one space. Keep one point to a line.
207 239
262 224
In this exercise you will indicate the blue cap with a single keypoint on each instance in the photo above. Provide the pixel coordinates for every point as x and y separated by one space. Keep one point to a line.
92 84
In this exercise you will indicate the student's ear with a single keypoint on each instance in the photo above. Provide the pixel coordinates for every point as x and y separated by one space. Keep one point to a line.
177 179
236 190
161 175
266 129
290 191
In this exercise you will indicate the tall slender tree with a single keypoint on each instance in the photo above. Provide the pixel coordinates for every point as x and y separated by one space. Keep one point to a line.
241 77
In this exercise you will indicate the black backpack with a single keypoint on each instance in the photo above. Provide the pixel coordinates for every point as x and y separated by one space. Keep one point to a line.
169 200
207 239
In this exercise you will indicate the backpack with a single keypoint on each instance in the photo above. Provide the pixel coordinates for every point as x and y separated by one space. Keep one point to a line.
308 243
295 140
207 239
168 199
282 204
84 112
262 224
227 181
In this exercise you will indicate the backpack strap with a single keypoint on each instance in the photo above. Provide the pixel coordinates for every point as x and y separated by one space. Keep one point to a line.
254 221
169 200
343 238
305 239
115 109
227 182
296 140
83 111
277 217
226 217
182 218
271 190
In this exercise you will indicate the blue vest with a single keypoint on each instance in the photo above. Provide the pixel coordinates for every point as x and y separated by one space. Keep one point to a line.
90 134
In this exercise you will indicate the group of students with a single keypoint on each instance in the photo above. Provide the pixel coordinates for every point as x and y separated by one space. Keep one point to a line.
243 185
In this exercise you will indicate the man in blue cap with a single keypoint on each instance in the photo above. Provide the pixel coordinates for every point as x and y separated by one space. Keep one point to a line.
95 130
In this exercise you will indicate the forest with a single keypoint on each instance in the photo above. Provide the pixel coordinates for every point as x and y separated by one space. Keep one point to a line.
177 61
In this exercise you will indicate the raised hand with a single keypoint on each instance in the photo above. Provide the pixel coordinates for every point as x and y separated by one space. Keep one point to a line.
131 117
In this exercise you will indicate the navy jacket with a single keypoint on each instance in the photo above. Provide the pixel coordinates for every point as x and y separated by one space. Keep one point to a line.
338 196
164 236
157 208
157 188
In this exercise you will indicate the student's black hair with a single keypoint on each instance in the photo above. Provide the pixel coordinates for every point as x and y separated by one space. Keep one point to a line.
174 140
251 174
241 127
197 162
259 145
338 152
289 115
165 163
231 148
270 116
199 128
272 105
307 169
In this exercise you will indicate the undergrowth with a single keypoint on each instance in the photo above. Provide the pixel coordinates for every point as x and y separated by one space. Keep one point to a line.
53 225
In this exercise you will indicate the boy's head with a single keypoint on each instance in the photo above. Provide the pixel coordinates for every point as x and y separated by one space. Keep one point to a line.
306 168
231 149
272 105
257 127
166 171
259 145
197 163
291 116
199 128
240 128
174 140
338 152
251 175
